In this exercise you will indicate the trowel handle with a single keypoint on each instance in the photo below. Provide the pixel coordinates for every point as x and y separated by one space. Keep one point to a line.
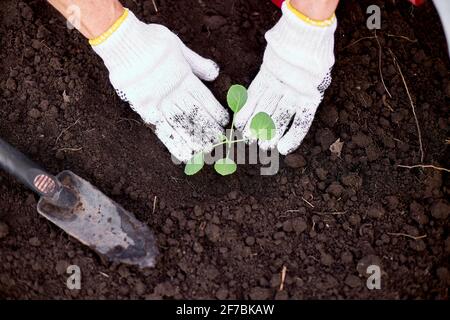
29 173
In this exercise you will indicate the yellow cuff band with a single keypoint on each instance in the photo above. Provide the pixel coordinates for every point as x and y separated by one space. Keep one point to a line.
318 23
103 37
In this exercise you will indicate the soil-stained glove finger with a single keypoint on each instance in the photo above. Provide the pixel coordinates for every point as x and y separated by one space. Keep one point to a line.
255 92
282 117
190 119
205 69
205 98
176 145
295 135
267 103
192 123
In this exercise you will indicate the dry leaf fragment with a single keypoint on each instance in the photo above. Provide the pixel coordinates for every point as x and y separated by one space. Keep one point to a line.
66 97
336 147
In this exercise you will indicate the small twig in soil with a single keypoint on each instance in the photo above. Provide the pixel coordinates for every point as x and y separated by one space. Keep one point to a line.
104 274
402 37
154 204
283 278
309 203
66 129
386 104
289 212
183 180
419 132
154 6
331 213
292 211
355 42
45 45
424 166
89 130
406 235
380 53
70 149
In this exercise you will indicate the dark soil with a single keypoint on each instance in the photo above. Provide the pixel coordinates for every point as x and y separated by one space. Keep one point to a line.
231 237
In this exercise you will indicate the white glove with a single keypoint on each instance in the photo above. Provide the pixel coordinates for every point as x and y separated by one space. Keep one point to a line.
152 69
293 77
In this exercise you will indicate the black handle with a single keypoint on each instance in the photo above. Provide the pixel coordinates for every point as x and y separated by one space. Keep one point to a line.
29 173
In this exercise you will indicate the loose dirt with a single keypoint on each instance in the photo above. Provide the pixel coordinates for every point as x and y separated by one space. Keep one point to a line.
323 219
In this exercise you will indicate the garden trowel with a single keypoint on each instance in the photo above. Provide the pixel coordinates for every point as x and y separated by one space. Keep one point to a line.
84 212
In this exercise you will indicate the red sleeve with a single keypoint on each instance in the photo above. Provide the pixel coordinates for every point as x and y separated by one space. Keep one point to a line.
278 2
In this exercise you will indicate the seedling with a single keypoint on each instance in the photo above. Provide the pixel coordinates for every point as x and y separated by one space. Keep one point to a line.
262 127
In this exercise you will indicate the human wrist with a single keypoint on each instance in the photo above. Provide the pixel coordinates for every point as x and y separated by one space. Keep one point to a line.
96 26
118 45
111 30
318 10
91 18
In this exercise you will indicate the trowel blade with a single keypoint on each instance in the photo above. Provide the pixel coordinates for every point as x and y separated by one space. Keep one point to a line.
102 224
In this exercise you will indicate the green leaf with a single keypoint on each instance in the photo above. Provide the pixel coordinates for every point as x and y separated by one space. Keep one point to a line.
223 138
225 167
237 97
262 126
194 165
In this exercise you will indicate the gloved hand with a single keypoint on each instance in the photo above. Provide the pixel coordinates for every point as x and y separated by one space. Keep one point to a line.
152 69
293 78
